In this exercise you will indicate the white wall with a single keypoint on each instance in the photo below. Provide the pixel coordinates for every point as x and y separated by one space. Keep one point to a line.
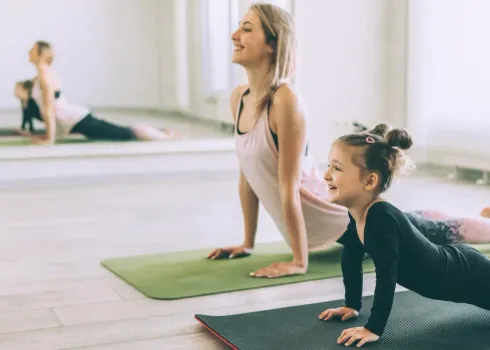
107 50
209 64
168 39
449 75
150 54
352 64
352 59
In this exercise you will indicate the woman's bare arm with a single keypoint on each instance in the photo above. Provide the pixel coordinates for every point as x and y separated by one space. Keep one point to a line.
248 199
48 107
289 118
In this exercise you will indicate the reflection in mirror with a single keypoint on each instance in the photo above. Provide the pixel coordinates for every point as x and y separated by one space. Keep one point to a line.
95 72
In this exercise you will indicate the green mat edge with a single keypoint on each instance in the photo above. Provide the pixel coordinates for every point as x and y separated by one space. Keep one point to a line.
149 295
258 248
366 269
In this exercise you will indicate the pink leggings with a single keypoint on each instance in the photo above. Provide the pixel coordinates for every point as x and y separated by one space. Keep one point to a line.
442 228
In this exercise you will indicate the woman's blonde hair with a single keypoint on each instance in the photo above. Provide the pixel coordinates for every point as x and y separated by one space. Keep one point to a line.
280 33
44 46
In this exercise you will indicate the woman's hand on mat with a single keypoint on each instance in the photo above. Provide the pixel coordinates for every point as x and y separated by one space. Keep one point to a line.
37 140
345 313
23 132
280 269
230 252
360 334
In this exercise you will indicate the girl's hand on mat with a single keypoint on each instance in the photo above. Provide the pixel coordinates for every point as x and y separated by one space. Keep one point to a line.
361 334
280 269
230 252
345 313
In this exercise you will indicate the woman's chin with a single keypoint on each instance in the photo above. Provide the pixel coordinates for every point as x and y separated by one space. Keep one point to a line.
237 60
332 198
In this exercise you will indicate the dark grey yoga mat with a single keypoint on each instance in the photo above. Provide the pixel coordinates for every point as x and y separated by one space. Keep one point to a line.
415 323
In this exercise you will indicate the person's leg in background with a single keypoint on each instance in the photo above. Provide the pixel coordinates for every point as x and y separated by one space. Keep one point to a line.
444 228
99 129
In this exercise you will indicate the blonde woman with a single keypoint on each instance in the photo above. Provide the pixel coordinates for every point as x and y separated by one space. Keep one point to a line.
72 118
271 145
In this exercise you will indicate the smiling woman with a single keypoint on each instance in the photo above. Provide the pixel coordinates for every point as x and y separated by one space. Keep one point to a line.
276 168
58 111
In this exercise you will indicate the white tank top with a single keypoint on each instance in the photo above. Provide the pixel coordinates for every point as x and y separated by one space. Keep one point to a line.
258 158
67 115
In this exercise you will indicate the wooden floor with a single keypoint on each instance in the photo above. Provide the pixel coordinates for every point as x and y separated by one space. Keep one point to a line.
55 295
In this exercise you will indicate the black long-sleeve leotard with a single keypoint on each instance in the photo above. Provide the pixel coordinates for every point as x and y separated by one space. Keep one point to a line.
401 254
29 112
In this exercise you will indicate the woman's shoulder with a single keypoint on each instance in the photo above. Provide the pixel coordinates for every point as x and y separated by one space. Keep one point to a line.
285 93
47 76
237 91
235 97
287 100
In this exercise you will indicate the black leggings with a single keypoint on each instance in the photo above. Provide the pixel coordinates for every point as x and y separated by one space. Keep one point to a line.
91 127
474 288
98 129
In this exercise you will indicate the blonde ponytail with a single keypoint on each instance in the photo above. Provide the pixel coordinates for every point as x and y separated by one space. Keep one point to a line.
280 33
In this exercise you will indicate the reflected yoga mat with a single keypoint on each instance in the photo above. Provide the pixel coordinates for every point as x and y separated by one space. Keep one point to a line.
188 274
13 132
415 323
24 141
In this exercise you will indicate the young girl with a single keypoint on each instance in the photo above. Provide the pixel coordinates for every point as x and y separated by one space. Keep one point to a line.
276 168
57 109
30 109
361 168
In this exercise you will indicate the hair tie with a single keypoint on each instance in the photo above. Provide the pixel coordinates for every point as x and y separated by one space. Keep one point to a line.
370 139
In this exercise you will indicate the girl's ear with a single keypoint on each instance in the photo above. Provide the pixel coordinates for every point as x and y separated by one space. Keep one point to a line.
371 182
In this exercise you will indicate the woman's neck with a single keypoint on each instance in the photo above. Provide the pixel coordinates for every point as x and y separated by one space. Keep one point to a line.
259 80
42 67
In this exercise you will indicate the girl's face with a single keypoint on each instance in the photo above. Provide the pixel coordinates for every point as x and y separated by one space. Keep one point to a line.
346 181
20 92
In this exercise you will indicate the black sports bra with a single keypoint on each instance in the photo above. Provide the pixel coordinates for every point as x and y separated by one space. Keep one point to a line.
273 134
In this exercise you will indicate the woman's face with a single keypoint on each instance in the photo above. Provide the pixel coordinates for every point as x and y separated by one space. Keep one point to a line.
249 41
34 54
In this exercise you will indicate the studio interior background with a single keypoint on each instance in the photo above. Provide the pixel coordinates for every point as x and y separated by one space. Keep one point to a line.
167 64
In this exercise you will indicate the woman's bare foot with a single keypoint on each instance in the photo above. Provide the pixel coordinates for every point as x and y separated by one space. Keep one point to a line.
173 135
148 133
485 212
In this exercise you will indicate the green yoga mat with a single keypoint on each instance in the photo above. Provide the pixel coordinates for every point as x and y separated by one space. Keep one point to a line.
22 141
188 274
414 323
